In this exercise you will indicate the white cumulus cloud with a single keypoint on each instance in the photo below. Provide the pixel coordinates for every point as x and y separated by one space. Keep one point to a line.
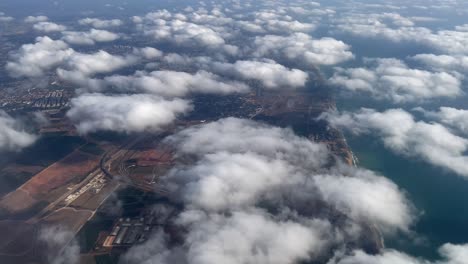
48 27
301 48
431 142
35 19
100 23
124 113
393 80
12 136
89 37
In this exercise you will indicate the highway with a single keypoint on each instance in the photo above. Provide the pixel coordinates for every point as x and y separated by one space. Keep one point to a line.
123 177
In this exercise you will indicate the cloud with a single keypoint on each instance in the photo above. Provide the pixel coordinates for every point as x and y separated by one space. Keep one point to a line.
263 21
444 62
89 37
214 30
214 18
254 193
393 80
269 21
394 27
35 19
451 254
99 23
124 113
104 62
452 117
55 238
148 53
269 73
246 237
448 41
250 196
60 245
224 181
163 26
462 27
12 136
251 237
388 25
362 200
99 62
241 136
251 160
163 83
301 48
48 27
5 18
33 60
431 142
154 250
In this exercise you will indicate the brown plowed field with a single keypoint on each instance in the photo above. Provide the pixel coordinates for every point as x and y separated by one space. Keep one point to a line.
75 166
154 157
68 218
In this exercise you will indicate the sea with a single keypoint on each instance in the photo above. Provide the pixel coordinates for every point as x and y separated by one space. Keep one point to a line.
440 198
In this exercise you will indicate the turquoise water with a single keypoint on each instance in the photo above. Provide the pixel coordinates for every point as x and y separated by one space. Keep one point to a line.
440 197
